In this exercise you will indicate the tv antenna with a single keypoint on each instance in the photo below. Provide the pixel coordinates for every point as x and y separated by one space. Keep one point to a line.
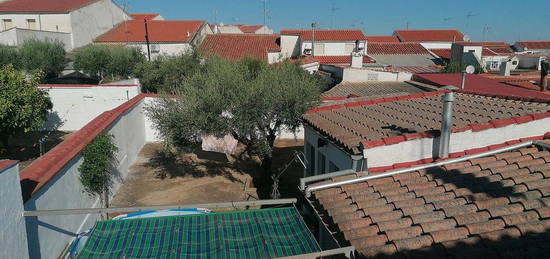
468 16
333 10
446 19
486 29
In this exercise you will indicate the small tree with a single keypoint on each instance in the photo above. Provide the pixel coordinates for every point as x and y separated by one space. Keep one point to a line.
455 67
124 60
9 55
166 74
93 60
101 61
23 107
248 100
96 171
47 56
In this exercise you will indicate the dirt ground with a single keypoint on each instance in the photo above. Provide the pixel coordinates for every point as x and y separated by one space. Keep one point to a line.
161 178
26 147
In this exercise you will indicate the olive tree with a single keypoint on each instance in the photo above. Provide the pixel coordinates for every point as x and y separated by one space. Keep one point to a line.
23 106
247 99
101 62
47 56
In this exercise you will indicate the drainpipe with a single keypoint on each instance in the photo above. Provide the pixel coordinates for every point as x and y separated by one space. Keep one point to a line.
446 122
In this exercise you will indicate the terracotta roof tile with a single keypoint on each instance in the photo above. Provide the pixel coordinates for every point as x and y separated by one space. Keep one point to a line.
535 44
429 35
237 46
382 39
400 48
159 31
328 35
142 16
250 28
492 218
344 60
42 6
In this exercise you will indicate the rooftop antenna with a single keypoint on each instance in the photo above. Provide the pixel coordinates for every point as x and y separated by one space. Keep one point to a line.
468 16
314 26
333 10
408 25
215 16
486 29
125 7
446 19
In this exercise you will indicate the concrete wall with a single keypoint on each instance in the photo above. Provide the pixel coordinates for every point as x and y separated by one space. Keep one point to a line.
17 36
333 48
13 236
158 49
49 235
290 46
427 147
57 22
74 107
436 45
95 19
364 75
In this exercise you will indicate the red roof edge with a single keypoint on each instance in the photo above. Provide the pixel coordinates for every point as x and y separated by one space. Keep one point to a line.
6 163
380 169
46 167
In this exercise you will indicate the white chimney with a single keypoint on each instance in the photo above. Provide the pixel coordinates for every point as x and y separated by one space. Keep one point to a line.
356 59
505 68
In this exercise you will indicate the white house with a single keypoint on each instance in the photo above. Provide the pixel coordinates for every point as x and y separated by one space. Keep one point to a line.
240 28
489 55
533 46
431 39
327 42
75 23
168 37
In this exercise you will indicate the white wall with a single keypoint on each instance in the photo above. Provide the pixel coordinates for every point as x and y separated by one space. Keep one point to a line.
16 36
333 48
364 75
95 19
427 147
48 235
58 22
436 45
73 107
290 46
170 49
13 236
331 152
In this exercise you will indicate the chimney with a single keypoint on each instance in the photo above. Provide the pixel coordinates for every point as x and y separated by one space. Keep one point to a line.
356 60
446 122
505 68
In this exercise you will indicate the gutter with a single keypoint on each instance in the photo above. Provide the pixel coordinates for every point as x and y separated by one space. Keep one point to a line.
311 189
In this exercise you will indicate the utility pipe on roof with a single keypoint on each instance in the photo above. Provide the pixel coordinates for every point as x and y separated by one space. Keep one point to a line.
311 189
446 122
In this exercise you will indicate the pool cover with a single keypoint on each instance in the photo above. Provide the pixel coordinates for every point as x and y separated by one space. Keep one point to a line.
264 233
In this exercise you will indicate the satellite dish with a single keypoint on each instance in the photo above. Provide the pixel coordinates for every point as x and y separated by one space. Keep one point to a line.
470 69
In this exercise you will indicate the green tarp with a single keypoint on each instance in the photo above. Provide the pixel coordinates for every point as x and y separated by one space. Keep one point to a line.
264 233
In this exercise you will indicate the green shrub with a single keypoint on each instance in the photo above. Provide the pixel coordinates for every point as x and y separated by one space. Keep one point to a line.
47 56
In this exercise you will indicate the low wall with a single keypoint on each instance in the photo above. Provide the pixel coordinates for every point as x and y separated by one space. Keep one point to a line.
52 181
13 237
16 36
74 105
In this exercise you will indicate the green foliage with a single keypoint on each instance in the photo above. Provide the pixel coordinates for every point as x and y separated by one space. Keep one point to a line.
165 74
96 171
9 55
455 67
100 61
247 99
47 56
23 107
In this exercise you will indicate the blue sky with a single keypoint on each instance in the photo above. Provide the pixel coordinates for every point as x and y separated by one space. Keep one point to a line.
502 20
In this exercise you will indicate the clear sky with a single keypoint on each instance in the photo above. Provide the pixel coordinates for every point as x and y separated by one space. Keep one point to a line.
489 20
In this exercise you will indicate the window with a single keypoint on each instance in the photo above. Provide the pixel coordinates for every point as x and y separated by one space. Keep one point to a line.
310 150
322 161
515 62
319 49
31 24
7 23
495 64
332 167
349 47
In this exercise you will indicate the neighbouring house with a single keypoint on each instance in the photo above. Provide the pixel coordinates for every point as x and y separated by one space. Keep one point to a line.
431 39
327 42
483 204
146 16
488 55
485 84
166 37
265 47
533 46
74 23
402 54
381 133
372 90
240 28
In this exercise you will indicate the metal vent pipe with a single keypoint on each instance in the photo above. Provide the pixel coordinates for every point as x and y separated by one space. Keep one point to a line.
446 122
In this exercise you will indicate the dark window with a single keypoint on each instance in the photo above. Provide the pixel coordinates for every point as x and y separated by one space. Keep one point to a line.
322 161
310 159
332 167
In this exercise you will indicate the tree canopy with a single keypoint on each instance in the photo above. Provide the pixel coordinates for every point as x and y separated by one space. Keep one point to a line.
167 73
247 99
23 107
47 56
113 62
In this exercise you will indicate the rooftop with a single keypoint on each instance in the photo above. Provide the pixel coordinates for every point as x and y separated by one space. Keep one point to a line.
328 35
236 46
250 28
265 233
370 89
399 48
352 123
339 59
429 35
535 44
42 6
495 206
382 39
442 53
159 31
142 16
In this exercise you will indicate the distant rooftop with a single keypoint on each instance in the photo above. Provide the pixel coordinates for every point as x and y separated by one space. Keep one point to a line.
382 39
237 46
159 31
142 16
367 89
429 35
328 35
535 44
42 6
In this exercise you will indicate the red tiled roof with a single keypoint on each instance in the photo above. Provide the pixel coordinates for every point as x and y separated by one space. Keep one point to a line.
374 122
42 6
328 35
159 31
5 163
249 28
535 44
237 46
382 39
429 35
142 16
339 59
481 85
488 207
375 89
399 48
491 48
413 69
442 53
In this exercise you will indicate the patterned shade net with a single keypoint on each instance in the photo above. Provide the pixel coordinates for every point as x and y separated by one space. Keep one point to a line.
265 233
